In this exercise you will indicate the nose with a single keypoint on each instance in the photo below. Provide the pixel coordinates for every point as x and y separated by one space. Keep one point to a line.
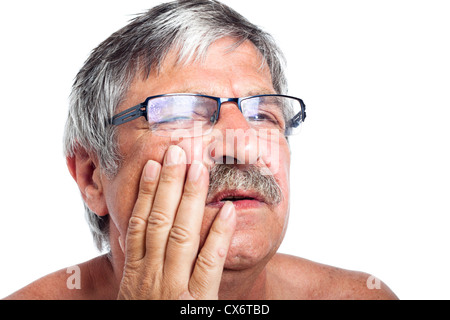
234 141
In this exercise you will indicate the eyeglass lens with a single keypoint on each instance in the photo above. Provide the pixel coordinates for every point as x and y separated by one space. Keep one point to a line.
196 115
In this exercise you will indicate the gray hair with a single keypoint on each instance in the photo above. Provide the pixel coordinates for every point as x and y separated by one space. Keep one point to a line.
188 26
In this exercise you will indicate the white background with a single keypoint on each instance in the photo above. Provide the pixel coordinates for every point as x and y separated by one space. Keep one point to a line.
370 169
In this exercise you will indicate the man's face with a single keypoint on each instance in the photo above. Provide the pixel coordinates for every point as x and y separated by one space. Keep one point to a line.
260 226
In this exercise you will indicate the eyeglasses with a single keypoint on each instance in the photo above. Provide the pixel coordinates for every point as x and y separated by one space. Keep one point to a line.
195 114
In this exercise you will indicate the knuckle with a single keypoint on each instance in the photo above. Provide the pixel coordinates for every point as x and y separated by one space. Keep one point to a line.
136 225
158 219
206 261
180 235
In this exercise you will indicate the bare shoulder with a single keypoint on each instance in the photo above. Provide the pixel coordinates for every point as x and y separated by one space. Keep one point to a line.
295 278
83 281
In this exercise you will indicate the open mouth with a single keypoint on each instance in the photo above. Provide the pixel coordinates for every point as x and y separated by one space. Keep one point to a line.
240 198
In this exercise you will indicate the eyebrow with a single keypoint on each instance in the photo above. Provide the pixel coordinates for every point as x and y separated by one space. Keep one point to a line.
253 92
258 92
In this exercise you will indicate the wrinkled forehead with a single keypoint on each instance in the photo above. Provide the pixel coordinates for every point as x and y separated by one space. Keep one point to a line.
196 52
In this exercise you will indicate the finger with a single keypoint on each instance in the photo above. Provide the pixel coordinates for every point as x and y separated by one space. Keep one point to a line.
165 204
205 280
184 238
137 225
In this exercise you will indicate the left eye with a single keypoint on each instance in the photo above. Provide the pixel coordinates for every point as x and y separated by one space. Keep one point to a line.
262 117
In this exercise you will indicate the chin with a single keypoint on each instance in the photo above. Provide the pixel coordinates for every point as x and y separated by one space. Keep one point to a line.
248 250
259 233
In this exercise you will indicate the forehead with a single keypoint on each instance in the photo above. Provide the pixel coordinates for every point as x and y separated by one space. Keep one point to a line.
225 70
225 52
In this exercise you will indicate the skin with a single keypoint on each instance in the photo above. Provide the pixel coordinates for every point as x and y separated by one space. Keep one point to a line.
165 242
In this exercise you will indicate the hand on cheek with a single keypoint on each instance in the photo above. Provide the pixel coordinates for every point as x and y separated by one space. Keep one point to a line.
162 242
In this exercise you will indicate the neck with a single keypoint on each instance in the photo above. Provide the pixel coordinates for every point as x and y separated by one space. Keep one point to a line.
243 285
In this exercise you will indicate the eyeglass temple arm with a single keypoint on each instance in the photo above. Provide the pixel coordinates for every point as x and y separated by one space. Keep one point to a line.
296 120
129 115
299 117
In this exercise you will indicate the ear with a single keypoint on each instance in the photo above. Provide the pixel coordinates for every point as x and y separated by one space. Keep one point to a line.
86 172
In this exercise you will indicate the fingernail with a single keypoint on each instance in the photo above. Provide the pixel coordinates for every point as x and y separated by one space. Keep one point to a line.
195 171
151 170
174 155
227 210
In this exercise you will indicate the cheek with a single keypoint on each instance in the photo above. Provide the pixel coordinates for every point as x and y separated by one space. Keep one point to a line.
278 158
275 155
282 178
121 192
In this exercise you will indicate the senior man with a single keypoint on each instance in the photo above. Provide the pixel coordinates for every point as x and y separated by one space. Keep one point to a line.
177 137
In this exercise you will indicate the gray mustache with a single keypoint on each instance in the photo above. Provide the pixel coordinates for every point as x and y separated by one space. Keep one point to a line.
232 177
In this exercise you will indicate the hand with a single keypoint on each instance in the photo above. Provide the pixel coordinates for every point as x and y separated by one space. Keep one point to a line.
162 260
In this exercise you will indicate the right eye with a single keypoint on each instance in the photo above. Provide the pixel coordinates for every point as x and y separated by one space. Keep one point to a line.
175 119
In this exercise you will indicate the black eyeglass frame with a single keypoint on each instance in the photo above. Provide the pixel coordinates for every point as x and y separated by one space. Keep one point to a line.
140 110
